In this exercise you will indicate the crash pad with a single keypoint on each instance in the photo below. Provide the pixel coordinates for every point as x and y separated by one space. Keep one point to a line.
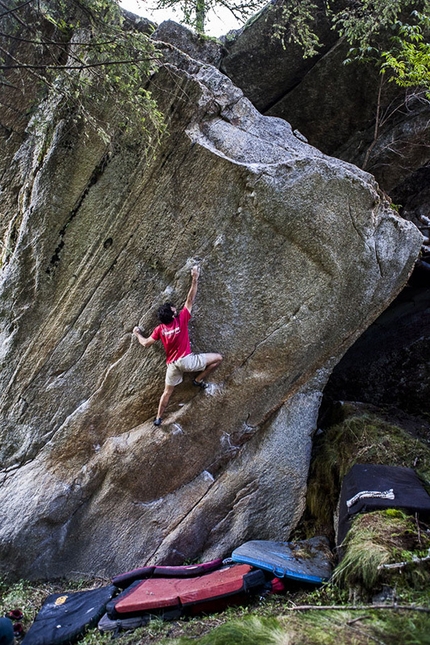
118 625
123 580
304 560
65 617
183 593
372 487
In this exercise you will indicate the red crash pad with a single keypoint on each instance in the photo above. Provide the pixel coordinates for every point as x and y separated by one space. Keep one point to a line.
158 593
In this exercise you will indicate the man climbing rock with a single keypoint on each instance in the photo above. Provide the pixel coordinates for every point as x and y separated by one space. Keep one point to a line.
173 333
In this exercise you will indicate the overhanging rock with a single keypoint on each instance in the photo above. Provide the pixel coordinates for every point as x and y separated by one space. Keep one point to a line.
299 254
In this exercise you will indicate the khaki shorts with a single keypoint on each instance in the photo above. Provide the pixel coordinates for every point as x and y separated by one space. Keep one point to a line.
190 363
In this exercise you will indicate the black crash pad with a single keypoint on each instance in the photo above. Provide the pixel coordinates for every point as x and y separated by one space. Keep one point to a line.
65 617
370 487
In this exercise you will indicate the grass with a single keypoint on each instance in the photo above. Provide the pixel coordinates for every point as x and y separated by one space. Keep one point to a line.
252 630
404 630
379 538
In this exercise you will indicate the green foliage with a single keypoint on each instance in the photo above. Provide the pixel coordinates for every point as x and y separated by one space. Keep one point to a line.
361 628
326 628
296 26
88 58
66 15
194 12
409 629
23 595
409 59
365 550
376 539
390 34
362 23
327 594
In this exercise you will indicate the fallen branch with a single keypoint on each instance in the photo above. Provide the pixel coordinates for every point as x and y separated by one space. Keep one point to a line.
400 565
359 607
355 620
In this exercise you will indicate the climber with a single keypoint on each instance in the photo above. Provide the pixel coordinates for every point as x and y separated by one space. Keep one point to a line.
173 333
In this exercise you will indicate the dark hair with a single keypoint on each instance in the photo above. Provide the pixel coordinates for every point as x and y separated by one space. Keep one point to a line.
165 313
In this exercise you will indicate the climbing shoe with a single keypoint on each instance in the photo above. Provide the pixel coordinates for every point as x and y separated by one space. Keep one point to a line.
200 384
157 421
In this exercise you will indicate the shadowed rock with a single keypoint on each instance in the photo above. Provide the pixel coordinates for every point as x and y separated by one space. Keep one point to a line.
346 110
197 46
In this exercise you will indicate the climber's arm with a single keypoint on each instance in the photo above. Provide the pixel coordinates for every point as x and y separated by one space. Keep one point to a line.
146 342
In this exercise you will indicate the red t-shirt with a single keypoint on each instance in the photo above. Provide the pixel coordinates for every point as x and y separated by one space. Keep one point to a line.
174 336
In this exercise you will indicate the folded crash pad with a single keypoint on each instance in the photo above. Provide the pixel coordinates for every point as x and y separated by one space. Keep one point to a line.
188 595
122 624
123 580
65 617
117 625
305 560
370 487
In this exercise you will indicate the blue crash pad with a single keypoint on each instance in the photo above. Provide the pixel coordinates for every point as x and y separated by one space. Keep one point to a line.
304 560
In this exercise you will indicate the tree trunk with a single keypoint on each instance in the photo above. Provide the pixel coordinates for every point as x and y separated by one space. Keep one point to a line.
200 16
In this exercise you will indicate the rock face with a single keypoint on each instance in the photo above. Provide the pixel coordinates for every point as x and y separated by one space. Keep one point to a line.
265 67
299 254
195 45
335 106
348 111
389 364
